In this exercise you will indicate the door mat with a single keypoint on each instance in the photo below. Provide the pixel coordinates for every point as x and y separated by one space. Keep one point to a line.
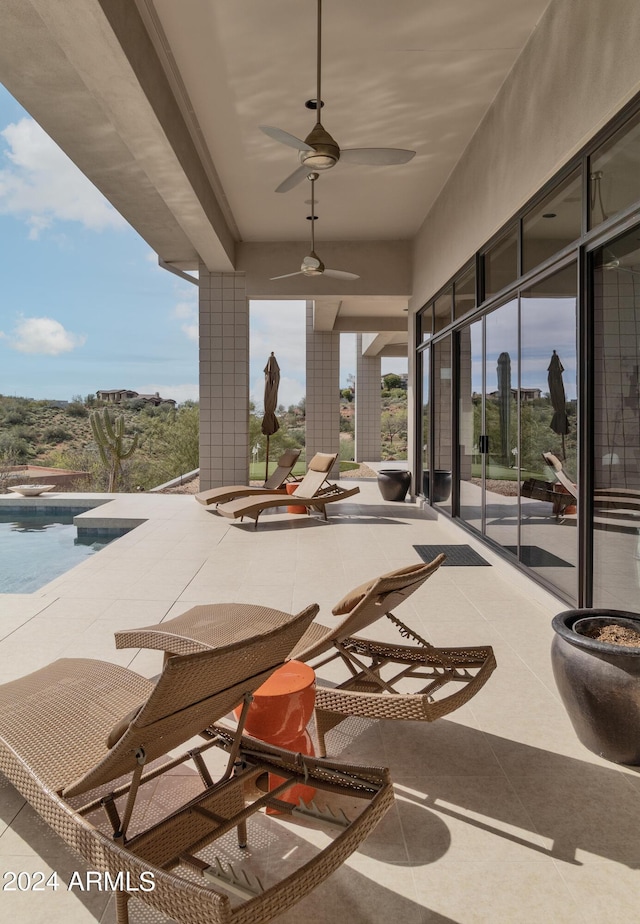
458 556
534 557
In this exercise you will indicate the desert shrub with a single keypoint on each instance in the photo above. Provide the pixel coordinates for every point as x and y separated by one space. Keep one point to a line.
347 449
15 447
56 435
77 409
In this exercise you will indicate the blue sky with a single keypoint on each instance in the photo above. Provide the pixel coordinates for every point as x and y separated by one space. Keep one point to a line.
85 306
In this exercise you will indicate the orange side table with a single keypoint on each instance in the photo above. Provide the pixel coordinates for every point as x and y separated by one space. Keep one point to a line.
291 488
279 714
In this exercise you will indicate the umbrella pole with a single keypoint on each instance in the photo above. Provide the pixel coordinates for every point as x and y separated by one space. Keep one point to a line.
266 465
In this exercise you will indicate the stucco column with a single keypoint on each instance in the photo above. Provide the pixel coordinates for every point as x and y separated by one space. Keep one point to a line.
368 405
323 391
224 379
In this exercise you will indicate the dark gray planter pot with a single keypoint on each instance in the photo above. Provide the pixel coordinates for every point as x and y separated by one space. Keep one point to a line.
599 684
441 486
394 483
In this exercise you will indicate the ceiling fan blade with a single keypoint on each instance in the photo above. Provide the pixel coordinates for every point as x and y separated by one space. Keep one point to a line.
339 274
287 276
376 156
293 179
285 138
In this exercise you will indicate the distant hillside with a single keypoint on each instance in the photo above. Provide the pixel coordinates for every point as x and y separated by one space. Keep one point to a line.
40 433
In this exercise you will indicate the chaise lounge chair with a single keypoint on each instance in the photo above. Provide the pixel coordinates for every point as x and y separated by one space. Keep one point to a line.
86 776
563 479
314 492
385 680
562 495
282 474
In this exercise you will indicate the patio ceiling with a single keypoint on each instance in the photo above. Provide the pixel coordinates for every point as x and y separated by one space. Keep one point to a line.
116 88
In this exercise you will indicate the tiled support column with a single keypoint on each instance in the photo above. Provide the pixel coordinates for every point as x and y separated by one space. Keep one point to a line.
323 391
368 405
224 379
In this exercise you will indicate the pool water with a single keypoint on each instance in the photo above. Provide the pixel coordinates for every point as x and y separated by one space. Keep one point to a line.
35 548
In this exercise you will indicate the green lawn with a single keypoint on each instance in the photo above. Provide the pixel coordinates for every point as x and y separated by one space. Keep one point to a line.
256 469
502 473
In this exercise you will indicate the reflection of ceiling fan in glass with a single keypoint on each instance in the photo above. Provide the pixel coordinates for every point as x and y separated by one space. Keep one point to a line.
624 263
319 151
615 264
596 195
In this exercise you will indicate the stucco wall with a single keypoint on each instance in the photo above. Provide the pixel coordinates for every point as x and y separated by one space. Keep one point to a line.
581 65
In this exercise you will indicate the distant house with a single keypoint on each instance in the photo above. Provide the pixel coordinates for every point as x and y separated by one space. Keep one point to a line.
528 394
116 395
119 395
156 399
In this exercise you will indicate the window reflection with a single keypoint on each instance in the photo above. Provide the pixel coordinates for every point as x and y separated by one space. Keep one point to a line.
464 293
425 357
614 179
548 418
442 310
616 463
471 422
426 323
501 425
442 424
501 263
553 224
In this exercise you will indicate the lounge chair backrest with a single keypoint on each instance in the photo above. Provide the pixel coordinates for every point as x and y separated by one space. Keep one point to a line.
192 692
370 601
317 474
555 463
363 606
285 466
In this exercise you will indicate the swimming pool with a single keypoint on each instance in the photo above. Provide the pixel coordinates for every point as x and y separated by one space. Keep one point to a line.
37 547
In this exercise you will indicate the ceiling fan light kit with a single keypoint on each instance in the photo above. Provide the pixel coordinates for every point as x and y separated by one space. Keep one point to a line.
319 151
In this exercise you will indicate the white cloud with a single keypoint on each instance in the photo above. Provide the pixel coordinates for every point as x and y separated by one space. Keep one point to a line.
45 336
186 310
191 331
41 185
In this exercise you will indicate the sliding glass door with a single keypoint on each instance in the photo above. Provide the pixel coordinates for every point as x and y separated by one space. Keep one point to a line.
548 430
616 427
517 385
488 424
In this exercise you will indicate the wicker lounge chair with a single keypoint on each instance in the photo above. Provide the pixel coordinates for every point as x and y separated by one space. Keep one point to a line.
314 492
386 680
85 776
418 682
282 474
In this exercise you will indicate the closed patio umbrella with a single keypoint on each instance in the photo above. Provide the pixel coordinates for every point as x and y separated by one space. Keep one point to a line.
270 423
559 422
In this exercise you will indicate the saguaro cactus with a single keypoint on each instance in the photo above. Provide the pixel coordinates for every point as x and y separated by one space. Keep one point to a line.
108 432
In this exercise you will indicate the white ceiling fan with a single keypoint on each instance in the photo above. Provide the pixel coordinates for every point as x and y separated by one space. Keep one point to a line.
312 265
319 151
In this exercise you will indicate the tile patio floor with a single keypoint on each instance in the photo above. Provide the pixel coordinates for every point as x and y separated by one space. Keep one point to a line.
500 816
